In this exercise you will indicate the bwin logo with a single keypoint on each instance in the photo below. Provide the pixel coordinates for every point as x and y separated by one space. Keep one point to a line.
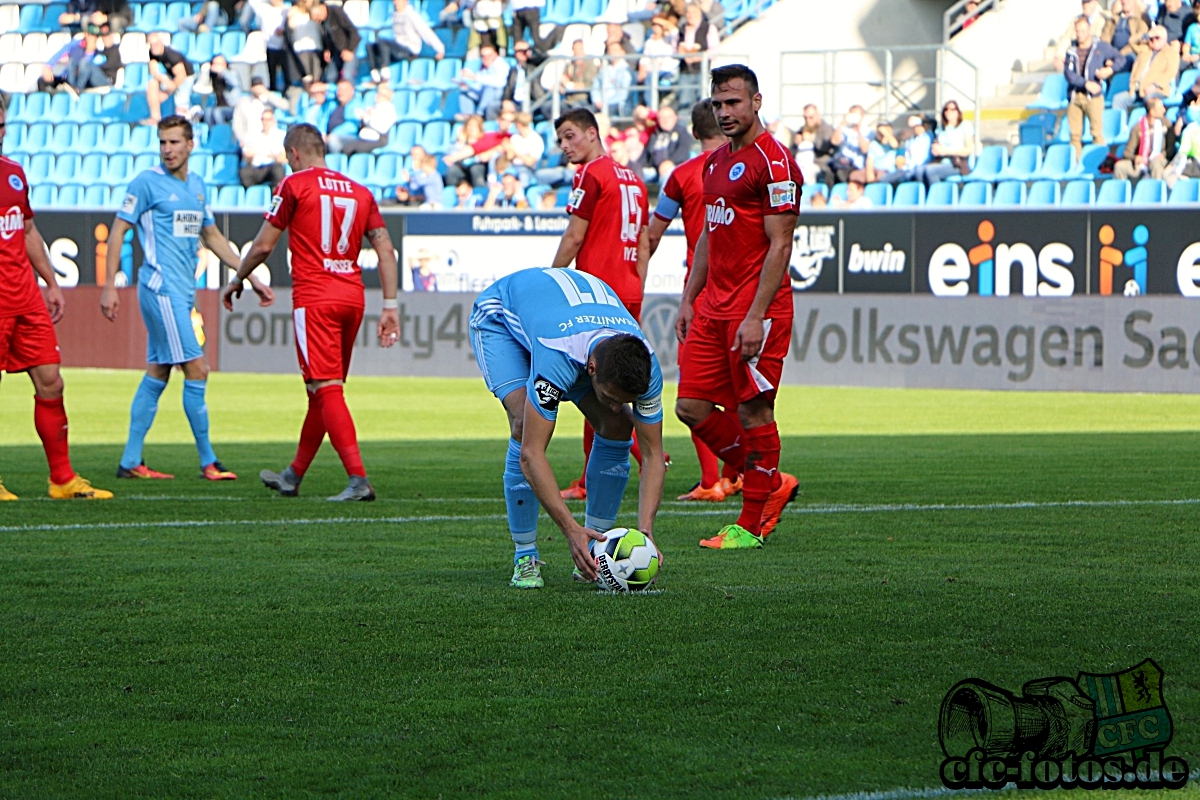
718 214
950 268
885 260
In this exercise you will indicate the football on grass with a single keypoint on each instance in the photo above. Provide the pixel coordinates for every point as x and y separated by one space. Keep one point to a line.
627 561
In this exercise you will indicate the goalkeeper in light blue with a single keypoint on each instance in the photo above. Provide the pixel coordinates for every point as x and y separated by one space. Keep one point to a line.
542 336
166 205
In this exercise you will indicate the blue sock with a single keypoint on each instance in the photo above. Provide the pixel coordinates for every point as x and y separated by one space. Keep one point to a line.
521 503
197 414
607 475
141 417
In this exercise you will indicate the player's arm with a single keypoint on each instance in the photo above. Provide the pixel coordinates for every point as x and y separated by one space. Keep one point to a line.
572 240
695 285
35 247
260 250
643 255
780 229
215 241
389 279
658 227
110 301
654 472
535 437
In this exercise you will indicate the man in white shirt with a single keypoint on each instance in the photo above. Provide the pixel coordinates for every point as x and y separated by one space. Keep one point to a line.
524 148
483 91
247 114
377 121
264 154
409 30
269 17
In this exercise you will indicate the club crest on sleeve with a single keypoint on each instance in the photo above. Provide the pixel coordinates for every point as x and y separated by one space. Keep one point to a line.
276 202
782 193
16 183
737 171
576 197
548 395
130 204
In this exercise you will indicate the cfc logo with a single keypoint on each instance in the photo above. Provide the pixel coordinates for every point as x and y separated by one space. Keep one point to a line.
11 223
718 214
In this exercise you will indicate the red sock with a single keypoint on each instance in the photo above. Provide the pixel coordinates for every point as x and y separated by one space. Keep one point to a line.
722 432
588 433
708 462
311 436
762 474
50 420
340 426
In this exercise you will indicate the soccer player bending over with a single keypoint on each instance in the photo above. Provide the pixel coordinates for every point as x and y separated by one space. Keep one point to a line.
542 336
735 342
327 215
166 204
28 342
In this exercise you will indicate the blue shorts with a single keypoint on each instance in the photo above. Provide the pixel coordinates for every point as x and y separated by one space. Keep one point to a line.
502 360
170 338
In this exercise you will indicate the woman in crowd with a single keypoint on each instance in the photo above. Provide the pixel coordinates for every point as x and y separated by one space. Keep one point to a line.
304 35
954 144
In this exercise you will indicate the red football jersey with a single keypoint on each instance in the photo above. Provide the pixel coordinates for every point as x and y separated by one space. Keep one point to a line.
327 215
741 190
20 293
686 188
613 200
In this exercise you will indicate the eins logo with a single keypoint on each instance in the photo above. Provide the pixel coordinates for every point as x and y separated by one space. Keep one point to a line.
1136 259
1042 274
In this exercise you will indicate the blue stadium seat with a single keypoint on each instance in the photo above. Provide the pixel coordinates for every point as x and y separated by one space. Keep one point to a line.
91 136
33 109
182 41
1009 193
880 194
63 140
257 197
119 169
16 106
1114 193
909 194
66 169
31 18
360 167
558 12
224 169
428 106
116 137
210 194
1185 82
203 46
232 43
1116 84
589 11
1053 96
1089 163
976 193
136 76
40 167
451 109
989 164
230 197
138 109
1114 123
142 163
70 196
60 107
399 73
220 140
151 18
117 195
87 109
380 14
50 16
449 199
1058 164
1025 161
386 167
1185 190
420 71
402 102
459 48
809 189
1149 192
1044 193
112 105
1038 129
143 139
94 167
336 162
1135 116
445 72
403 137
37 137
96 196
43 195
175 12
838 191
1079 193
14 138
201 164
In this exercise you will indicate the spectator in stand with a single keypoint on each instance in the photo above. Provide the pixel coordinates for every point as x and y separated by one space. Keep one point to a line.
918 146
483 91
424 278
855 199
507 193
375 122
818 202
114 15
471 159
524 149
339 38
409 30
84 63
314 106
304 37
882 154
225 86
669 147
264 154
527 16
1152 73
1146 150
1127 32
247 114
170 74
1190 54
578 77
615 33
213 14
851 140
1088 64
969 14
816 137
520 89
638 136
548 201
610 92
1175 17
714 12
269 16
659 56
782 134
1189 98
400 196
955 143
1097 18
619 153
486 18
1186 163
465 197
696 37
424 183
345 111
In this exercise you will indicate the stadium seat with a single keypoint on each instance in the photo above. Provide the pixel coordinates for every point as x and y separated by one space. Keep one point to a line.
589 11
142 163
880 194
64 138
1185 82
96 196
40 167
203 46
1009 193
1079 193
1185 190
116 137
387 165
232 43
175 12
1053 96
230 197
838 192
31 17
976 193
182 41
143 139
70 196
1116 84
427 106
12 76
558 12
445 73
10 17
33 49
403 137
32 110
138 109
360 167
1025 161
43 195
1149 192
910 194
380 14
1114 124
37 136
86 109
50 16
60 107
151 18
450 108
449 199
94 166
359 12
201 164
1058 163
1093 157
14 137
1044 193
90 138
1114 193
989 164
221 140
224 169
336 162
420 71
119 169
136 76
257 197
809 189
66 169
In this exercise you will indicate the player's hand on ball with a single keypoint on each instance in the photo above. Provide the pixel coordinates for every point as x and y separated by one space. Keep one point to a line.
109 303
684 321
231 291
578 540
749 338
389 327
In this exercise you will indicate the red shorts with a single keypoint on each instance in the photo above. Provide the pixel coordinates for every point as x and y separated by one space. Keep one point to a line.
325 337
709 369
28 340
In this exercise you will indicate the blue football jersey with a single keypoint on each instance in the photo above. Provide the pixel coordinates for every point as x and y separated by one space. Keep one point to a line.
169 215
559 316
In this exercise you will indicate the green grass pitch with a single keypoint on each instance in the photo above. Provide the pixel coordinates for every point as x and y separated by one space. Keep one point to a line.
191 639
